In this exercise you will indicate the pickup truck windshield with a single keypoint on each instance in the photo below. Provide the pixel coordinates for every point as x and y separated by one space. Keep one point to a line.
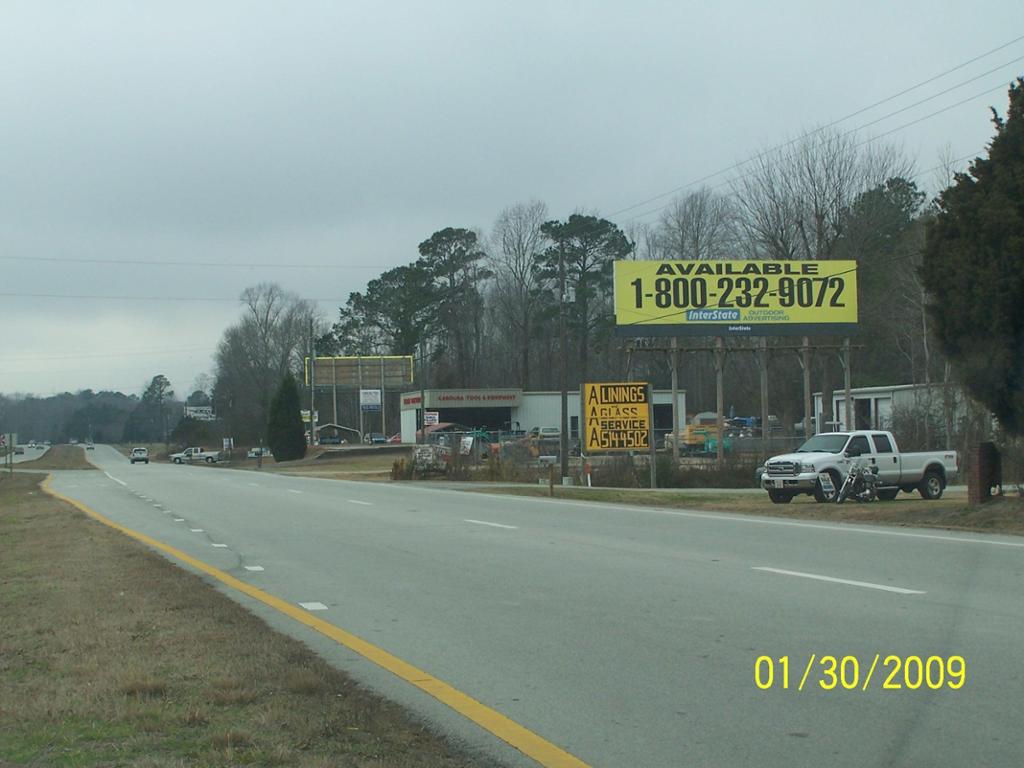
824 443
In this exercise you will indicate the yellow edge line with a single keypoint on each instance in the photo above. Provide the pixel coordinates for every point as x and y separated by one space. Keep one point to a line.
523 739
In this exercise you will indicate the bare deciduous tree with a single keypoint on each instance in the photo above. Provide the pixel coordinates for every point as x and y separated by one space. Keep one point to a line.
793 201
698 225
516 246
254 354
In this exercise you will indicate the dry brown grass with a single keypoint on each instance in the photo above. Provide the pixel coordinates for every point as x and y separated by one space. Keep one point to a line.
952 513
111 655
59 457
333 466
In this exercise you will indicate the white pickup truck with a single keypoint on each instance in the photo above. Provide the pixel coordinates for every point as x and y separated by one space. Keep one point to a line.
830 454
195 454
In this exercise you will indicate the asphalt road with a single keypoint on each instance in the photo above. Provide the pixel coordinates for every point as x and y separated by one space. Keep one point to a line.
627 636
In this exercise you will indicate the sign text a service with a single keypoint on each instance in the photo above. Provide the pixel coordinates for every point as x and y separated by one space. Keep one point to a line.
616 417
719 298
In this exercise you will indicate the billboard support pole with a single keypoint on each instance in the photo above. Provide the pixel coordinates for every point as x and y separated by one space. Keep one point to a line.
720 398
650 436
805 362
846 384
765 426
383 403
334 382
674 359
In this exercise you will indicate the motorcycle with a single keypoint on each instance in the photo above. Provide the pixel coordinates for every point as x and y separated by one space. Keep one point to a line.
860 483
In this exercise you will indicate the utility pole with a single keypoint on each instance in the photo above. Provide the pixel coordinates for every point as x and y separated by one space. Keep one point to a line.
652 464
421 436
312 379
720 400
563 439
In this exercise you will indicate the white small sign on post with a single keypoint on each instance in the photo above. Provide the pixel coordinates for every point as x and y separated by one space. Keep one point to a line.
369 399
431 417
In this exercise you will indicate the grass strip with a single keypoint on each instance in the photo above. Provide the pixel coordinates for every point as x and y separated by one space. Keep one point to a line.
112 655
59 457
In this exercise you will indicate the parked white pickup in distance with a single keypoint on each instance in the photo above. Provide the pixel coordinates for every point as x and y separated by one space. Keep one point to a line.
830 453
195 454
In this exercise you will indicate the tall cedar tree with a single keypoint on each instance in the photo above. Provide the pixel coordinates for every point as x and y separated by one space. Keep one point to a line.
285 433
974 271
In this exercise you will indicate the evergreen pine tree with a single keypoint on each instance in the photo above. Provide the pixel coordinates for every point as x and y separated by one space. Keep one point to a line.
285 433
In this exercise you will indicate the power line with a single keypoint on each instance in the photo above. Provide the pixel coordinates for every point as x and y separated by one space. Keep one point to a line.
936 95
999 87
206 299
792 141
783 145
170 263
870 140
131 353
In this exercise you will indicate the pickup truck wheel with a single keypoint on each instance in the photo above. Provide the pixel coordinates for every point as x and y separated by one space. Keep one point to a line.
931 486
779 497
888 494
177 461
209 459
827 498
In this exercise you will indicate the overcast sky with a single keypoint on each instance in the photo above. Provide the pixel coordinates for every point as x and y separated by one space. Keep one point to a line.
200 139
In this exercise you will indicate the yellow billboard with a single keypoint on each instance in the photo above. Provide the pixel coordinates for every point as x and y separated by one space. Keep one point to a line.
616 417
718 298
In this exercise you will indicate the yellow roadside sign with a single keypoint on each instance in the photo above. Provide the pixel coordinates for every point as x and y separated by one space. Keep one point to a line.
616 417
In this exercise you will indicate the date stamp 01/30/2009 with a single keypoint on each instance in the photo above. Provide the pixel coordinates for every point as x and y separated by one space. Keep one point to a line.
850 673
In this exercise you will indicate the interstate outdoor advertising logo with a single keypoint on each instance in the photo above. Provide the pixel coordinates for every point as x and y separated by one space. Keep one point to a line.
712 315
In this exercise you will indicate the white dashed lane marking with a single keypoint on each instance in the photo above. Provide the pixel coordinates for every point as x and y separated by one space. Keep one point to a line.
314 606
493 525
121 482
833 580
